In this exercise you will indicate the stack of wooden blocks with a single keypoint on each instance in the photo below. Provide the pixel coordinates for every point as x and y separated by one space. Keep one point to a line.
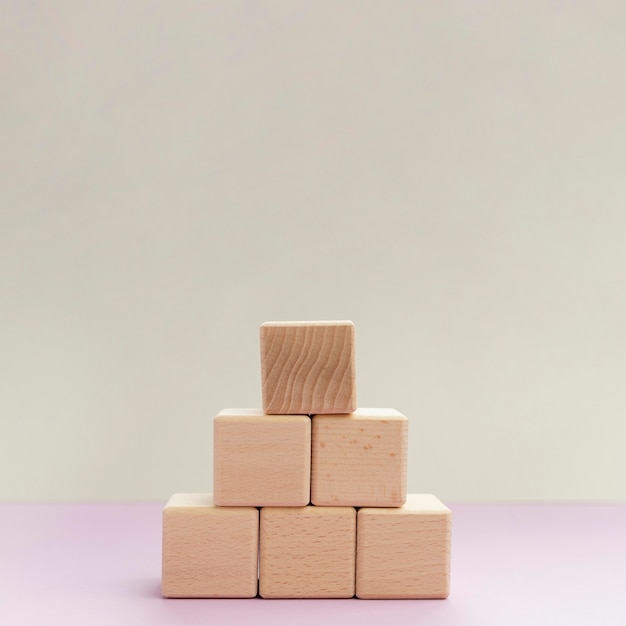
309 494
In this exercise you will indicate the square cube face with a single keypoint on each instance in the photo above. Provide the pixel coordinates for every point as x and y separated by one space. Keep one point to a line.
307 552
209 552
308 367
261 460
404 552
359 459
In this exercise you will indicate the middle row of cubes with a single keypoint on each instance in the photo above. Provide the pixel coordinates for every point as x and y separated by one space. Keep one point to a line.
356 459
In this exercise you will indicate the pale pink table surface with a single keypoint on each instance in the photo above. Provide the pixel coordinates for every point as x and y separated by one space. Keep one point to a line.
99 564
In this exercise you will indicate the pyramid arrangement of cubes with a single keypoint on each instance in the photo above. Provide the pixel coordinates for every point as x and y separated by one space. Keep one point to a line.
309 493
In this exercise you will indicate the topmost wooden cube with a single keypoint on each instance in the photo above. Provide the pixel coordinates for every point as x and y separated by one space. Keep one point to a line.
308 367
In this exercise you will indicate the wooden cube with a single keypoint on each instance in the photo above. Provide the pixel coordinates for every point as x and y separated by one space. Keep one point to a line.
308 367
359 459
404 552
209 552
261 460
307 552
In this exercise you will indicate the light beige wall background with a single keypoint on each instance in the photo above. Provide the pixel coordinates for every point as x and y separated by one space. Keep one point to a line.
449 175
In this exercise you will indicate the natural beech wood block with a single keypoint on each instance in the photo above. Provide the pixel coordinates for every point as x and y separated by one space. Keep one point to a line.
307 552
404 552
359 459
308 367
208 551
261 460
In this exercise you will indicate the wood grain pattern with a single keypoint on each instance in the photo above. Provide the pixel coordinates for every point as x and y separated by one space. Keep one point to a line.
404 552
261 460
359 459
308 367
208 552
307 552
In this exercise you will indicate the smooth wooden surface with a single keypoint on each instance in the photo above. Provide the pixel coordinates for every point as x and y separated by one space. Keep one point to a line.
359 459
261 460
308 367
404 552
307 552
208 552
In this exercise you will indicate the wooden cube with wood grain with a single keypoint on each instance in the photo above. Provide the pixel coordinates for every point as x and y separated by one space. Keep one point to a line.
208 551
404 552
308 367
260 459
307 552
359 459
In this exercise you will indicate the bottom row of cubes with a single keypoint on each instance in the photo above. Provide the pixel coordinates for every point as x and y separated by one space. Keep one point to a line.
305 552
